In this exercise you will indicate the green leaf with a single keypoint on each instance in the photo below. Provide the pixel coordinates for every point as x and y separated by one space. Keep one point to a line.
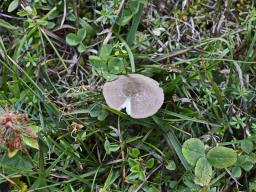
246 162
222 157
247 146
18 162
142 176
124 18
30 141
81 33
247 166
35 129
193 149
14 88
72 39
105 50
106 146
116 65
13 5
12 153
39 182
98 63
152 189
108 180
132 176
133 162
134 5
135 168
90 31
236 171
203 172
109 77
134 152
150 163
171 165
53 15
252 157
81 48
97 111
111 147
26 11
252 186
51 25
7 25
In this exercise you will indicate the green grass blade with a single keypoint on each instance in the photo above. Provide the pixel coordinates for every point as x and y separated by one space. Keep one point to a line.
172 140
135 25
130 54
3 51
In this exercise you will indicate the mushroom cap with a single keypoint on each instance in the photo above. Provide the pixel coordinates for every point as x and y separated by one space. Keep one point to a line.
140 95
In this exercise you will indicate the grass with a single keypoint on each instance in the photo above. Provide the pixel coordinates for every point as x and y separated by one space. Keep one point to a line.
205 63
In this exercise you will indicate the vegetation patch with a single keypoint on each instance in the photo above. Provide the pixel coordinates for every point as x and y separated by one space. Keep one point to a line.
127 96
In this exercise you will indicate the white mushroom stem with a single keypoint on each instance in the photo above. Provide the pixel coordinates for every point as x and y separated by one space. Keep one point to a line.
127 105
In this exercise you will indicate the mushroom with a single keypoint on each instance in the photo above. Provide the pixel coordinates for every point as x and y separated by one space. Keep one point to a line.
140 95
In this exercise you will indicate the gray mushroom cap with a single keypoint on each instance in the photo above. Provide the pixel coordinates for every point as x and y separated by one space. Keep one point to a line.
140 95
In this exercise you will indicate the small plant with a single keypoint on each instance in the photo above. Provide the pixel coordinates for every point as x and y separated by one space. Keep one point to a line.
217 157
107 14
106 64
238 122
76 40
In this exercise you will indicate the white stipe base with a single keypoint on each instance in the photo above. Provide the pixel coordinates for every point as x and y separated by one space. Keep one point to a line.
126 105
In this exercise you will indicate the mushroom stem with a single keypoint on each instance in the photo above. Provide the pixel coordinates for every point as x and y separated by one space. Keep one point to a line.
127 105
